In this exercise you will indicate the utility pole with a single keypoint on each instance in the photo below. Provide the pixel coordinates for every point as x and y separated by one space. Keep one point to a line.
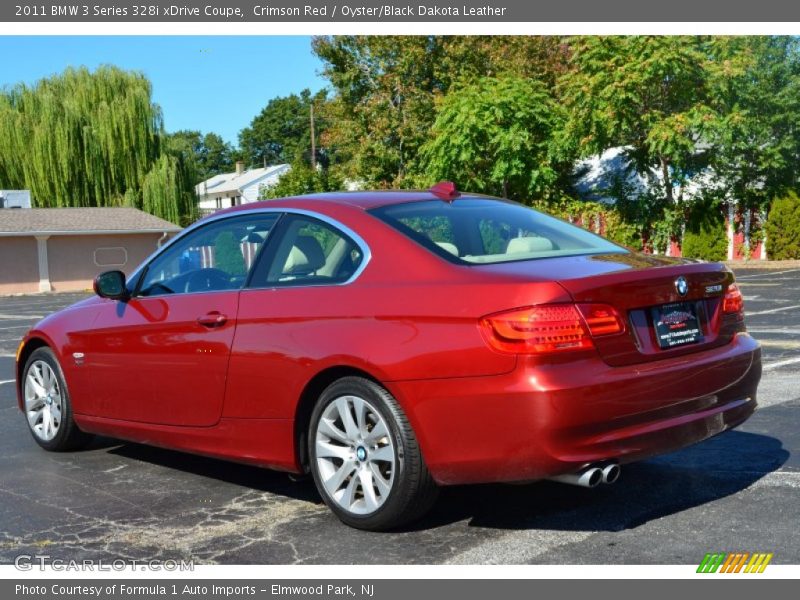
313 141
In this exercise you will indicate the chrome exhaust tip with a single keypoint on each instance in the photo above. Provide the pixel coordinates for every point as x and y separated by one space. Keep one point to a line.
611 473
589 477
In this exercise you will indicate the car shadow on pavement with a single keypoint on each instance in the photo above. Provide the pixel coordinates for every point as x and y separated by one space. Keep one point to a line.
714 469
238 474
647 490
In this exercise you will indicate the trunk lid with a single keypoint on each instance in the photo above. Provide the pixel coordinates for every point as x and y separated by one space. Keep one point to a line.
635 284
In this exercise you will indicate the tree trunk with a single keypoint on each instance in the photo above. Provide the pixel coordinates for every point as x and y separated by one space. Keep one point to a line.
730 229
667 180
313 140
748 215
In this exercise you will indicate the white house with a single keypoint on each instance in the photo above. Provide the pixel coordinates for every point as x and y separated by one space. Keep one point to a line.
240 187
597 175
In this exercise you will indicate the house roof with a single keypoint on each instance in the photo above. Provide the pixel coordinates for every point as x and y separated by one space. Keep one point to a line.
233 182
80 220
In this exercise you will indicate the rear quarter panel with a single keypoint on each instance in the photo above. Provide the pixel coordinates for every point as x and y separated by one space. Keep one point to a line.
410 315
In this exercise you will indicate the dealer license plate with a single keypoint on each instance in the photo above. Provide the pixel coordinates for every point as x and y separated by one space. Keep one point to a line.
676 325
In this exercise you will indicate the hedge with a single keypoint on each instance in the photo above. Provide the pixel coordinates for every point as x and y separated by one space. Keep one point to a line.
705 235
783 228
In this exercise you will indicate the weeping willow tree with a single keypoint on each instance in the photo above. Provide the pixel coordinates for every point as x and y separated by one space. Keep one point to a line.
86 138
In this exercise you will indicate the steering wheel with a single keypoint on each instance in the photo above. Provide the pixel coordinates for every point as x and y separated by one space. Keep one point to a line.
208 279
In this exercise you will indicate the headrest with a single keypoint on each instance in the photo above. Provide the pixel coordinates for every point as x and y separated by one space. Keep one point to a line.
451 248
306 255
526 245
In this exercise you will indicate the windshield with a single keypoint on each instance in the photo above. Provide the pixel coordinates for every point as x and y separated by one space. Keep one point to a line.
484 231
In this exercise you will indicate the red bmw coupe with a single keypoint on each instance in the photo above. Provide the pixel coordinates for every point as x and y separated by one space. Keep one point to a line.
393 342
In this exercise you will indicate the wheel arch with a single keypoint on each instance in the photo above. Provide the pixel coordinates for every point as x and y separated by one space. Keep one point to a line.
30 345
308 398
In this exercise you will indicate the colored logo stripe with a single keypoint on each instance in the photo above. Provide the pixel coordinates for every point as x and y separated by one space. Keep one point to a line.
734 562
711 563
758 563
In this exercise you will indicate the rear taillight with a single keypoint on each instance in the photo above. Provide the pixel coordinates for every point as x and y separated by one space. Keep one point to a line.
733 302
550 328
601 319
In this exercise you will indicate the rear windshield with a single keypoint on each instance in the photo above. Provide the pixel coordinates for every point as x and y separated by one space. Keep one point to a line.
483 231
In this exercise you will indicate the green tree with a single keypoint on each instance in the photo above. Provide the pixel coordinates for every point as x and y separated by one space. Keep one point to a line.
228 255
86 138
384 102
207 155
281 132
754 83
494 136
783 228
467 58
303 179
163 191
645 93
386 89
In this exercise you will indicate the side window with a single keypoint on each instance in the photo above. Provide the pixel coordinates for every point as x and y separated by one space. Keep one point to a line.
309 252
214 258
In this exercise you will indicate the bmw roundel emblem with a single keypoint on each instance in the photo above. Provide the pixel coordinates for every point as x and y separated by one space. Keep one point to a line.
681 285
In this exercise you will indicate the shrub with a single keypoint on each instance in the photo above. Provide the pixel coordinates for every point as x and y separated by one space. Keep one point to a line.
783 228
620 231
705 235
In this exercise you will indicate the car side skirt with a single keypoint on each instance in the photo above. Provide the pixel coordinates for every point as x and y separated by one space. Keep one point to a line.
262 442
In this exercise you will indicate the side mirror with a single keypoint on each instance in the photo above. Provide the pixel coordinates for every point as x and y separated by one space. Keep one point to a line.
111 284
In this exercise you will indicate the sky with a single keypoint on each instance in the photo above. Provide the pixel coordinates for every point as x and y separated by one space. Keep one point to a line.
209 83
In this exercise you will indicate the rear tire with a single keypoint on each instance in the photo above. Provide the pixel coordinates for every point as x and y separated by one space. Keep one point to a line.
365 458
47 406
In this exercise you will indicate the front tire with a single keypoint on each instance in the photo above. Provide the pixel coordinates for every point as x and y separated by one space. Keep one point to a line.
365 459
47 406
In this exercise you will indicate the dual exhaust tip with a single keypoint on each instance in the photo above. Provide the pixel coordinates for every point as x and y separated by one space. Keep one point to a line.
591 476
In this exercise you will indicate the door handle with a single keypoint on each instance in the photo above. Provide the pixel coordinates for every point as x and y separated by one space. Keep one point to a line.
213 319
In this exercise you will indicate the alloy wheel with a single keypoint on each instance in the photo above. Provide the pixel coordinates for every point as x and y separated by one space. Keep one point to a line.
43 401
355 455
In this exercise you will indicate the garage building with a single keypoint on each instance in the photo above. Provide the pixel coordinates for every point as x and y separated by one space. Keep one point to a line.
63 249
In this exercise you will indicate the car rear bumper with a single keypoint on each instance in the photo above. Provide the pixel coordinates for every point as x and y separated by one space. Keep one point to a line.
546 419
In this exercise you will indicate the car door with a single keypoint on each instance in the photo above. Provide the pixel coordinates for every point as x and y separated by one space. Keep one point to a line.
298 278
161 356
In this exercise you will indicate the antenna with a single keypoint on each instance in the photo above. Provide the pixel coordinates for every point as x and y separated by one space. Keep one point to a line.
445 190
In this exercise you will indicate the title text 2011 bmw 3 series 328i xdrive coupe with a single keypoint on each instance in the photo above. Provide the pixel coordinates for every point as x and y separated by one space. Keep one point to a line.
392 342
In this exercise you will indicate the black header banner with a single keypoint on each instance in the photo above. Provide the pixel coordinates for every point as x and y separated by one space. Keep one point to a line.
478 11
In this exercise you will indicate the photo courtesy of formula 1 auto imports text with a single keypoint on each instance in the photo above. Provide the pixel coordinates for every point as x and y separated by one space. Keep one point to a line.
329 299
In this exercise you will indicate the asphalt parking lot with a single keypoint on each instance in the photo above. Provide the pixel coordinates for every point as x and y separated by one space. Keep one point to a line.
735 492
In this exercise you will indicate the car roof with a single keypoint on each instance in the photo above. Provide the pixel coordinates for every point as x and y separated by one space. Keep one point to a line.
373 199
364 200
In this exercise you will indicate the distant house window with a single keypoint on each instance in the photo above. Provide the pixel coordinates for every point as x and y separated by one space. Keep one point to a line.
111 257
219 202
